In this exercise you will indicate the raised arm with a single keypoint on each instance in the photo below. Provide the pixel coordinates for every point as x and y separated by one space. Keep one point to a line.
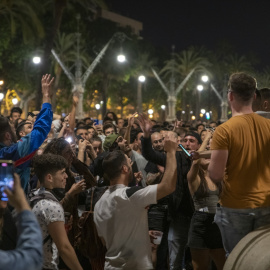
130 123
147 150
168 182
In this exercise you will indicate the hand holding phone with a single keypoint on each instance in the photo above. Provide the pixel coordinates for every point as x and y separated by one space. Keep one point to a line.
6 178
184 150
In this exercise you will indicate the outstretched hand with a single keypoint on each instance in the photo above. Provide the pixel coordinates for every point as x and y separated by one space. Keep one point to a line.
131 119
145 124
170 143
46 83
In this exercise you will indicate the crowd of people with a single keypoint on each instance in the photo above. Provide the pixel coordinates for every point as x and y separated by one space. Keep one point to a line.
134 193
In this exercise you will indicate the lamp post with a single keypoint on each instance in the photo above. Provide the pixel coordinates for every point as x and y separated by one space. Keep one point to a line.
223 98
97 106
199 88
141 79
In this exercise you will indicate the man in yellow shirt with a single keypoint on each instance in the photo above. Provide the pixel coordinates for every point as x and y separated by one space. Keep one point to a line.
241 159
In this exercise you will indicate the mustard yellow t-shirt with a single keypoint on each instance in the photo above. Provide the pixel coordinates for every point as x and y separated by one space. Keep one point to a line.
247 175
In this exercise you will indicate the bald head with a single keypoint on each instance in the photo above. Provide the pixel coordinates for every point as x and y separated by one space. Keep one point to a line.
157 141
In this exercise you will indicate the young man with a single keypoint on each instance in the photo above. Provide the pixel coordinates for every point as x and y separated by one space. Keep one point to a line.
51 172
241 146
24 128
15 114
121 215
23 151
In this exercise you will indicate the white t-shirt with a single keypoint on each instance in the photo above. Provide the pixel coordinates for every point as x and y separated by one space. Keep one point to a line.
48 211
121 219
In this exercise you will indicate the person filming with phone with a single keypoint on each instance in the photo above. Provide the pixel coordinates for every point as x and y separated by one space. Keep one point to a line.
28 252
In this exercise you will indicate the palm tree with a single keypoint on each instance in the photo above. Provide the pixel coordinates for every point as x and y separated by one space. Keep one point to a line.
59 7
22 15
183 63
237 63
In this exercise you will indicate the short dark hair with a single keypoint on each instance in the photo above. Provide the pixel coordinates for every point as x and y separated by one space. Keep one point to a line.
20 127
48 164
243 85
15 109
200 125
134 133
109 125
112 164
81 127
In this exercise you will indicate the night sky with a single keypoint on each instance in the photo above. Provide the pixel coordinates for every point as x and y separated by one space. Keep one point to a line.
244 24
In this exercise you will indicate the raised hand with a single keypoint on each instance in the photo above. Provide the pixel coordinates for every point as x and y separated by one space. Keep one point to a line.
131 119
145 124
170 143
46 83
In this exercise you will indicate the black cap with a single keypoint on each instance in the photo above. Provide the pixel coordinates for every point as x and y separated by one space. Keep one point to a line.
196 135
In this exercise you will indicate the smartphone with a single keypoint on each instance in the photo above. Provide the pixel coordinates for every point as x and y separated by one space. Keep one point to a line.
185 151
6 178
79 137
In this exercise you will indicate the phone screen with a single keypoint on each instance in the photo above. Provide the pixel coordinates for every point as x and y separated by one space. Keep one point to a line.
6 178
185 151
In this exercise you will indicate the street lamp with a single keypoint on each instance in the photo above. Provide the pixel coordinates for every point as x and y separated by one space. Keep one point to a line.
199 87
203 111
36 60
97 106
163 107
150 111
15 101
121 58
223 98
1 82
141 79
205 78
1 96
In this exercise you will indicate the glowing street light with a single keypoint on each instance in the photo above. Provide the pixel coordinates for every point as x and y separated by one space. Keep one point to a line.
193 117
1 96
121 58
97 106
199 87
1 82
163 107
150 111
203 111
36 60
141 78
15 101
205 78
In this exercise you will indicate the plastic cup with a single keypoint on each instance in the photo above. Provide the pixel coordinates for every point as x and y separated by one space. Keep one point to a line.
158 235
78 178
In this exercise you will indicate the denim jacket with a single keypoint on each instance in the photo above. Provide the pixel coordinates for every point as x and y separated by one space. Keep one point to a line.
29 251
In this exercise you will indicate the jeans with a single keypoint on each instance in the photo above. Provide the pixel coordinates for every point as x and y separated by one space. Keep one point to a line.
234 224
177 241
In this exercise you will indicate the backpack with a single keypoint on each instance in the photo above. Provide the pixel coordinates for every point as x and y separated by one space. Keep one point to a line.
87 240
35 198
